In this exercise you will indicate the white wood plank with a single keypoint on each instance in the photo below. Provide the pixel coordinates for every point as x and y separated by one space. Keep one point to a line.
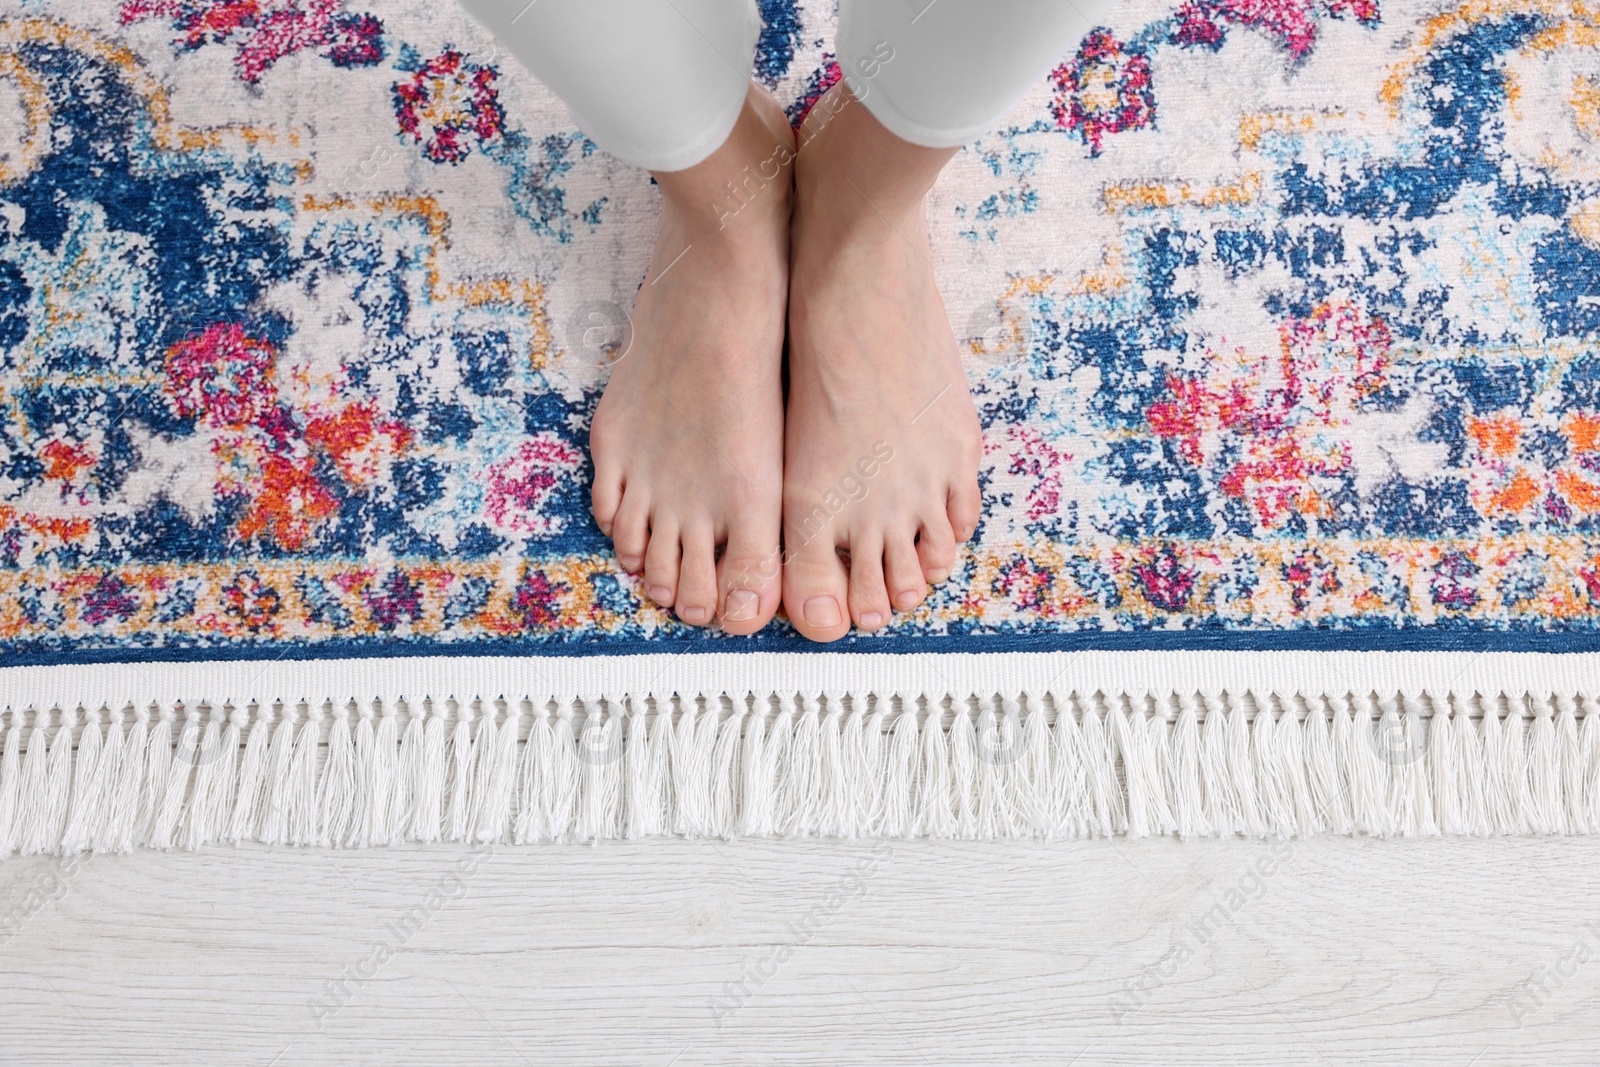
1348 950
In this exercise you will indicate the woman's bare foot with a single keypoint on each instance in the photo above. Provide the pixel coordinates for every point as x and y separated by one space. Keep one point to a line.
882 441
688 441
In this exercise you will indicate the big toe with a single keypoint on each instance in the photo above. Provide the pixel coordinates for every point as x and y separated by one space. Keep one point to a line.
815 590
749 581
965 505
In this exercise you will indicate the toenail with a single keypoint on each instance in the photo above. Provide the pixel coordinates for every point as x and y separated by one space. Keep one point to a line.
907 601
742 606
694 615
938 574
629 563
661 595
822 611
871 620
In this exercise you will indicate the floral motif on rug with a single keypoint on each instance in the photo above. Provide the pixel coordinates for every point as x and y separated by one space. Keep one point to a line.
1281 316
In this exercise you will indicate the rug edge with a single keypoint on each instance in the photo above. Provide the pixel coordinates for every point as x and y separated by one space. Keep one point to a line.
1133 674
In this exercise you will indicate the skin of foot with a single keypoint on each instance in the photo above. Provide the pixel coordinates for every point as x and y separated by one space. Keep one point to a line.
687 441
882 441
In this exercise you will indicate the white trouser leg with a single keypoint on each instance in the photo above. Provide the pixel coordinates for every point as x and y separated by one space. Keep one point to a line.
941 74
657 83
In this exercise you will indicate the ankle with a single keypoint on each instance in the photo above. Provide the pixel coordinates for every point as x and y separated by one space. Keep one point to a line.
763 189
852 170
751 174
834 209
742 216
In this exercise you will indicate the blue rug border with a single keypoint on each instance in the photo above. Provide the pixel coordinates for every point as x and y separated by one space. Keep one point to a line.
1366 639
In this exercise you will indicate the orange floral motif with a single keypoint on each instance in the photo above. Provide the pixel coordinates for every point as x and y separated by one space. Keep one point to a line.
287 505
60 531
358 441
70 464
1580 492
1495 436
1583 431
227 379
1506 482
1517 495
64 462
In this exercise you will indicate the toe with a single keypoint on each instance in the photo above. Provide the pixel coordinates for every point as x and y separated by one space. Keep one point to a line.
748 578
697 577
630 534
869 597
605 497
936 548
965 505
902 572
815 589
661 562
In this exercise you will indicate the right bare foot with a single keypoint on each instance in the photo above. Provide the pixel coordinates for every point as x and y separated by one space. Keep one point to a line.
688 439
881 463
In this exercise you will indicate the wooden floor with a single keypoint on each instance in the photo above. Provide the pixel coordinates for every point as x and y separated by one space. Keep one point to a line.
1324 952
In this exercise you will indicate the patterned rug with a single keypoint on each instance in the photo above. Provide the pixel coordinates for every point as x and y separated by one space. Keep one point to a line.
1281 320
1282 323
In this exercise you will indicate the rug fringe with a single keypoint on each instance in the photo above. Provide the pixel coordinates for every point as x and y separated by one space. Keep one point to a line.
1008 765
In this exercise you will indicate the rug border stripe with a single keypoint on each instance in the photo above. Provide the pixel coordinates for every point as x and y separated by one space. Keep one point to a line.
956 674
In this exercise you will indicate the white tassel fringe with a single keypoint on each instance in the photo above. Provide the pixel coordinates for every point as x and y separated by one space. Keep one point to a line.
831 764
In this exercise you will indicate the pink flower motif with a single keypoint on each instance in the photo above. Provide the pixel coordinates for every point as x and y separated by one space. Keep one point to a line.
1164 580
1273 428
398 600
1365 11
447 101
224 376
267 30
1105 89
520 486
1034 457
1026 585
111 600
537 601
356 41
1201 23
